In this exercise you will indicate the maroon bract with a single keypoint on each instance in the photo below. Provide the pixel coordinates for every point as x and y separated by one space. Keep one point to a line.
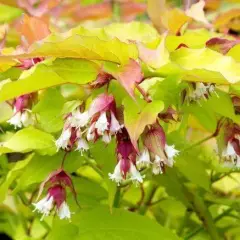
156 152
28 63
56 184
126 155
103 119
22 115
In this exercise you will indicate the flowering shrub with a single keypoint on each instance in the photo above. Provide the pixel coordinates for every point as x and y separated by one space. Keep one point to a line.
103 121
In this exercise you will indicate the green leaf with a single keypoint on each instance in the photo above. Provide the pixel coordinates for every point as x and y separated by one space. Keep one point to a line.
81 46
41 166
206 65
101 224
137 115
234 52
43 76
8 13
49 110
29 139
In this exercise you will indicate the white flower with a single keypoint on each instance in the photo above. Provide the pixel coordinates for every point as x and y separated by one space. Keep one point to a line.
171 153
102 123
144 159
44 206
82 145
64 211
91 132
229 151
156 167
79 119
15 120
27 118
114 126
106 138
200 91
116 175
63 140
135 175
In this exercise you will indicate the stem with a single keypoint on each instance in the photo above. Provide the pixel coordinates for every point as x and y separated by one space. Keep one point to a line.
64 158
199 142
188 213
117 198
144 94
201 228
149 193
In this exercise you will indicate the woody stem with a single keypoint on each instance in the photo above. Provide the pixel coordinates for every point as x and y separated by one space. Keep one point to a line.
63 160
144 94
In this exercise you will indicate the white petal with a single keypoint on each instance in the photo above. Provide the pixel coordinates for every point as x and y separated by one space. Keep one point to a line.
27 119
106 138
116 175
79 119
44 206
171 153
115 126
135 174
102 123
64 211
144 159
63 140
229 151
16 120
91 133
82 145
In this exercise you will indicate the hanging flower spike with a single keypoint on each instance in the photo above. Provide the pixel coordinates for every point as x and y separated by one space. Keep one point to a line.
56 184
103 119
126 166
72 132
144 159
56 197
160 153
200 91
22 115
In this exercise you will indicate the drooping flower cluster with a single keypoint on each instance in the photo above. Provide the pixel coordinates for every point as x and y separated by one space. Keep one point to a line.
73 132
126 157
22 115
156 153
231 151
56 184
103 122
99 121
199 90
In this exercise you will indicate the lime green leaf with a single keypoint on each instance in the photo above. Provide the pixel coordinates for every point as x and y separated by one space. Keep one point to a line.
137 115
8 13
234 52
29 139
70 106
118 225
154 58
80 46
49 110
132 31
41 166
44 76
206 65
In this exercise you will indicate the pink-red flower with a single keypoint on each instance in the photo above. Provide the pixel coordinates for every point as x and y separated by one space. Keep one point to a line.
22 115
56 184
126 155
104 122
156 153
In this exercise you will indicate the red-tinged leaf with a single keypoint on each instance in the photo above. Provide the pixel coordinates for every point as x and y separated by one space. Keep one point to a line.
102 103
90 12
225 18
128 75
33 29
138 115
154 58
43 7
131 9
221 45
